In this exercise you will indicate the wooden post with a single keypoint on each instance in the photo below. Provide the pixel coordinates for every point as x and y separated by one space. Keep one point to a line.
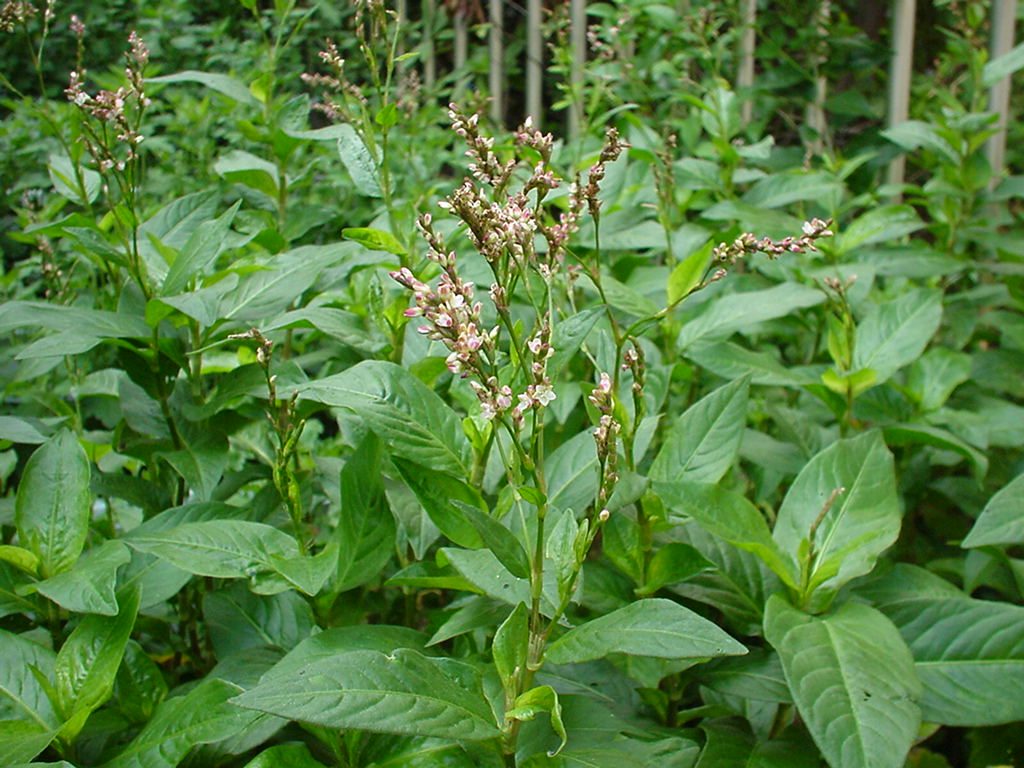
899 75
496 78
429 57
816 120
1004 17
534 60
578 45
748 41
461 48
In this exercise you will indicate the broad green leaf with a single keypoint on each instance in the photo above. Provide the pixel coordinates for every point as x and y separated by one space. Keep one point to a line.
358 161
914 134
481 568
572 474
87 663
475 612
366 530
85 322
22 697
172 226
733 312
671 564
728 744
201 463
731 517
53 505
285 756
1002 519
236 619
652 627
687 274
933 376
878 225
223 84
20 558
65 181
21 740
227 549
140 685
969 653
731 361
568 336
1003 66
410 418
437 493
511 646
19 430
199 252
757 675
863 521
792 186
922 434
895 334
401 692
202 716
374 239
89 586
703 442
245 168
853 681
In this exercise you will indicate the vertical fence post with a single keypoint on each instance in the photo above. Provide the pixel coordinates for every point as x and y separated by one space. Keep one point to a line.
578 46
429 54
899 75
748 41
402 11
534 60
496 76
1004 18
816 120
461 24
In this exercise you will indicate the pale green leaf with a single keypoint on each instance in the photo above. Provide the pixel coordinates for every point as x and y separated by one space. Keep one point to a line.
1002 519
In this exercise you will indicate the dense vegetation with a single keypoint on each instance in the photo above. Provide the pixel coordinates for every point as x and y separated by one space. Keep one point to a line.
342 427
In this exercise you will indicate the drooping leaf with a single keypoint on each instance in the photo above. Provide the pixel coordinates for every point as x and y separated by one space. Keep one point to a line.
703 443
358 161
401 692
53 505
90 585
236 619
1002 519
652 627
215 81
410 418
862 522
853 681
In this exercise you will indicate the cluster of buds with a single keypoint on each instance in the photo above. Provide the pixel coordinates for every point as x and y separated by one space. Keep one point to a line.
15 13
633 361
838 285
605 436
334 83
495 230
451 311
484 163
747 243
113 108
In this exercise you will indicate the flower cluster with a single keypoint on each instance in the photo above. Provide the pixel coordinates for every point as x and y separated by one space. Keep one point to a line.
334 83
114 108
605 436
747 243
484 163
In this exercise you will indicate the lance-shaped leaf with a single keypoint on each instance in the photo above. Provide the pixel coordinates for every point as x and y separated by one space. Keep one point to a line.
1002 519
510 648
199 252
402 692
87 663
536 701
358 161
202 716
896 333
702 444
655 627
852 678
89 586
411 419
29 721
53 503
862 522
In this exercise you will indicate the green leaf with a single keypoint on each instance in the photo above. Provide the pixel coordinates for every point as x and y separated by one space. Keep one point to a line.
511 646
228 549
202 716
863 521
687 274
568 336
199 252
19 430
729 516
140 685
89 586
671 564
922 434
411 419
62 174
914 134
20 558
85 322
757 676
285 756
358 161
25 708
236 620
572 474
933 376
1003 66
374 239
793 186
878 225
731 361
53 504
87 663
733 312
245 168
652 627
201 463
483 570
853 682
223 84
1002 519
366 530
535 701
437 493
401 692
969 653
703 442
895 334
